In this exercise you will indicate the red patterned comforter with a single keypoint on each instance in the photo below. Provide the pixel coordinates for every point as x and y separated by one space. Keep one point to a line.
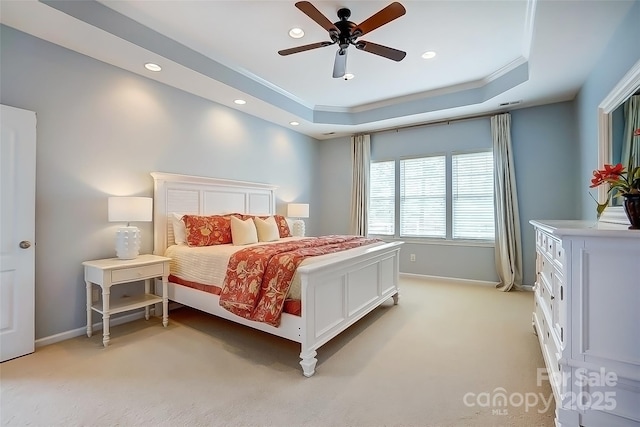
258 278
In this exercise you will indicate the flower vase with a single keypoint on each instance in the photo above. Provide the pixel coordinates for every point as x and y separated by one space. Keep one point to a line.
632 209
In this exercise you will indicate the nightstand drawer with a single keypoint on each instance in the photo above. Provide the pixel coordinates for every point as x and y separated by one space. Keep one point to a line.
137 273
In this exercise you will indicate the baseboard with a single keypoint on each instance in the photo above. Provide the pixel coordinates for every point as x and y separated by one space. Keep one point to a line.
62 336
450 279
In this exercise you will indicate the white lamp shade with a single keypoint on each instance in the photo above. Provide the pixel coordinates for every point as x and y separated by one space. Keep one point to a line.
298 210
130 209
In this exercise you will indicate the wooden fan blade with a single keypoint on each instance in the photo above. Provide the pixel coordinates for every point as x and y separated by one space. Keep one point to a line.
393 11
340 64
313 13
384 51
297 49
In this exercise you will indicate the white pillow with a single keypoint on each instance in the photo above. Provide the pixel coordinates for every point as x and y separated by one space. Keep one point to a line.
267 229
243 232
179 229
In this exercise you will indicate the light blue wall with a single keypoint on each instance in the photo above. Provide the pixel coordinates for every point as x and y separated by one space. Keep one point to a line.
544 151
100 131
334 186
621 53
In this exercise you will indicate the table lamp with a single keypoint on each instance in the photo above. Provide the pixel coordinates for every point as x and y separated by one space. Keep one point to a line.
298 211
129 209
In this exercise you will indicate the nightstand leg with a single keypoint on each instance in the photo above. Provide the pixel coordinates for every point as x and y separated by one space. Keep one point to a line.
105 316
147 290
165 301
89 302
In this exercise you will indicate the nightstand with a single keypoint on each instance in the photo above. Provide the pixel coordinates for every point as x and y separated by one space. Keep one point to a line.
114 271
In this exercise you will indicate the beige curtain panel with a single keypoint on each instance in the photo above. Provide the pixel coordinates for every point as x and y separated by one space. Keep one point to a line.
508 245
360 159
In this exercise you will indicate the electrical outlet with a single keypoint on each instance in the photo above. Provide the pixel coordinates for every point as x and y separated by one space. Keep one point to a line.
412 257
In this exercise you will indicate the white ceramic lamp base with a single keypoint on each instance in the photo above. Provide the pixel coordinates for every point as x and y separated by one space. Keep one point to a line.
128 241
298 228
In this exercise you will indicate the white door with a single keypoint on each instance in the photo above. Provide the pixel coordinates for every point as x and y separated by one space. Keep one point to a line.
17 232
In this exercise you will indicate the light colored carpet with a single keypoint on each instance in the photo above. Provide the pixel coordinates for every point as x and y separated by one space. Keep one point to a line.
406 365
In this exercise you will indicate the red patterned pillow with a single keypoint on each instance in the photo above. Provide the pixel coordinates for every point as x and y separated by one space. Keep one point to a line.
207 230
283 227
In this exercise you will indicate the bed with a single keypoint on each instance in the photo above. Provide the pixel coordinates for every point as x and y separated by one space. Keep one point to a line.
336 290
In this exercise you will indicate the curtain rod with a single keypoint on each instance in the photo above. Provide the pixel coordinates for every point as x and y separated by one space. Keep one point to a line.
439 122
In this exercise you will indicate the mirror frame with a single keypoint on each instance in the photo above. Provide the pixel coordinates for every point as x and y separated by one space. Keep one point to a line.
626 87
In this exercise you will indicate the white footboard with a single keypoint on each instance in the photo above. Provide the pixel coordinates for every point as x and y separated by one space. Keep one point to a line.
337 294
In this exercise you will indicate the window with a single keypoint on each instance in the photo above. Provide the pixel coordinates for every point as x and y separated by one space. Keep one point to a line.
447 196
423 197
472 187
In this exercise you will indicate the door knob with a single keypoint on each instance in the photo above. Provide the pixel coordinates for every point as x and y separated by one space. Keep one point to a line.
25 244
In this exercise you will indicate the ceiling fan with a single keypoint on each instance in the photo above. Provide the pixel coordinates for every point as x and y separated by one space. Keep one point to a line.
345 33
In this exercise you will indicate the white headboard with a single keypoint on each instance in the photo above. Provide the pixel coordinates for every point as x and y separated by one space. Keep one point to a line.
198 195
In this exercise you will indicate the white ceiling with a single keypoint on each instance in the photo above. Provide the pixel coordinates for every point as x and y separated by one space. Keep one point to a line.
488 53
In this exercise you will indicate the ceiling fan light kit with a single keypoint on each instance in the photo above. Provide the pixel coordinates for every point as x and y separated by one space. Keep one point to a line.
345 33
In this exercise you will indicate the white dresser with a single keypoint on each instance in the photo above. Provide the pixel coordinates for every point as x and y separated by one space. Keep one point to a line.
587 318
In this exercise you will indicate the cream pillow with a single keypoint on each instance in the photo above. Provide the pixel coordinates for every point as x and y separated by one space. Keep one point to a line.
267 229
179 229
243 232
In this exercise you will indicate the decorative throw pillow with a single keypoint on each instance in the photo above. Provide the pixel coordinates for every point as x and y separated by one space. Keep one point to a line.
267 229
283 226
207 230
243 232
179 229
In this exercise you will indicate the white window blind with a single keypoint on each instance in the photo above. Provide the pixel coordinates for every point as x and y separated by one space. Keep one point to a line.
382 198
423 204
472 188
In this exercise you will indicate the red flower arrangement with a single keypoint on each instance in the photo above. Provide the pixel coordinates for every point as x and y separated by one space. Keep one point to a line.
620 180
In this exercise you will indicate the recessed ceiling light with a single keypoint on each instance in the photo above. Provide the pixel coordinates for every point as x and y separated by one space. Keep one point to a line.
294 123
348 76
240 101
296 33
152 67
428 55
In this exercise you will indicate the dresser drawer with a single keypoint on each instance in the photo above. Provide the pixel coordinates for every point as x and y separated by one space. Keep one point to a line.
558 255
546 298
540 239
559 309
137 273
549 245
547 270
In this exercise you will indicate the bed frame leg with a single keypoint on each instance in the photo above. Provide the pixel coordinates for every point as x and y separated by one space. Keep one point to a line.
308 363
396 297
